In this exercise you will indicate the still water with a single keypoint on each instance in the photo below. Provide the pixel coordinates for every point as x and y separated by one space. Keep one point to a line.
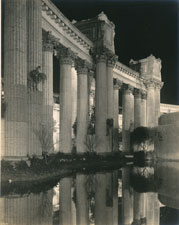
129 195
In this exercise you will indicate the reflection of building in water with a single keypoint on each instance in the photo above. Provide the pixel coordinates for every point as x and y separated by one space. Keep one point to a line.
33 209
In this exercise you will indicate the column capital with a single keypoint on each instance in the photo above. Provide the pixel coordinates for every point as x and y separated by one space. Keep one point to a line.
127 89
111 59
159 85
49 41
153 83
102 54
82 66
117 84
137 93
143 95
66 55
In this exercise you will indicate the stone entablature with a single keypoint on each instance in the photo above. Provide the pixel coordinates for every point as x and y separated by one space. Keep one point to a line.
61 28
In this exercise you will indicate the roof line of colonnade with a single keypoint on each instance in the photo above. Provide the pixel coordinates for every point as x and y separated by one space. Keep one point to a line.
67 34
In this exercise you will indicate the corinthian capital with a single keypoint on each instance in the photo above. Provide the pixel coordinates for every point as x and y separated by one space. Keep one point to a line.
111 59
66 55
81 66
49 41
137 93
117 84
127 89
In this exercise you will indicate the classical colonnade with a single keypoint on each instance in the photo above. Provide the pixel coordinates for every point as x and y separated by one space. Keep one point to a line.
29 49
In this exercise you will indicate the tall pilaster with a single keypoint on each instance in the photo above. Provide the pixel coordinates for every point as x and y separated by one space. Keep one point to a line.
15 80
47 111
101 104
66 60
128 116
34 63
82 106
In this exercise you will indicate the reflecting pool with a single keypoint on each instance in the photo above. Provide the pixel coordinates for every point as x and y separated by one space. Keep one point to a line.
129 195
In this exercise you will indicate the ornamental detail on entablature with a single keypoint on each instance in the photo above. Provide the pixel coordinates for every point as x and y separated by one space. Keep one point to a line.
49 41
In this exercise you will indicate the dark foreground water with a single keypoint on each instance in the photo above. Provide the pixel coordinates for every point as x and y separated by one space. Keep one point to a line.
130 195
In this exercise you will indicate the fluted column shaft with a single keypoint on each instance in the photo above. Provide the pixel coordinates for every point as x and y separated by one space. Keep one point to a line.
81 200
65 101
143 121
137 108
110 101
15 80
47 110
82 107
34 61
151 120
101 105
74 97
128 116
158 87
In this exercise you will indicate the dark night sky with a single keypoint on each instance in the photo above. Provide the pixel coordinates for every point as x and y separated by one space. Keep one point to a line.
142 28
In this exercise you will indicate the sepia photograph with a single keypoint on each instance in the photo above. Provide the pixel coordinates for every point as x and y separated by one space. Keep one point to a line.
89 112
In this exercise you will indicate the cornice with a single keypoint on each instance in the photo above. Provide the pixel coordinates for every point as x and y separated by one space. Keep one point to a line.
52 11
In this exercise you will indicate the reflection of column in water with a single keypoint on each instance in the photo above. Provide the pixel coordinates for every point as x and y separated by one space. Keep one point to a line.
100 199
127 198
109 199
30 209
139 207
65 201
81 200
115 197
152 209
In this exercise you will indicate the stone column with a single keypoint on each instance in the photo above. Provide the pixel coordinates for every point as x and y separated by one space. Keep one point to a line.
15 80
111 60
81 200
65 201
82 106
66 59
128 116
117 86
115 197
158 87
143 121
151 118
101 104
74 97
34 64
137 108
47 111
